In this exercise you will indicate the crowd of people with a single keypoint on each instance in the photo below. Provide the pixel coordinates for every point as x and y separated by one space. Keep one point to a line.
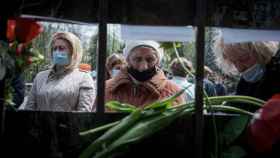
136 77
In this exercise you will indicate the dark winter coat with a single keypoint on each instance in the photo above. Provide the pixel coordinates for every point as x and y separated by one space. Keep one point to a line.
267 86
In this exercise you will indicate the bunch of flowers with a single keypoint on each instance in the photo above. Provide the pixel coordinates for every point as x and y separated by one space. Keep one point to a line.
20 33
17 53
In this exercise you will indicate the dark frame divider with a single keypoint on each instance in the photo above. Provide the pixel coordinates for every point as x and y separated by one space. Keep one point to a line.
3 27
199 45
102 43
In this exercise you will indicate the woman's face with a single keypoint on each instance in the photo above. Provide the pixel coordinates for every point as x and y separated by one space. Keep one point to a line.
61 46
241 59
142 58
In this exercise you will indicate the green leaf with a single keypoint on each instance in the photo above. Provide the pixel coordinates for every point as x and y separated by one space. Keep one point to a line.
164 103
113 133
93 133
234 128
234 152
121 107
142 129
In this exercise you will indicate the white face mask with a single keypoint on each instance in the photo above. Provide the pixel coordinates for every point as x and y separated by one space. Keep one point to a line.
115 72
254 73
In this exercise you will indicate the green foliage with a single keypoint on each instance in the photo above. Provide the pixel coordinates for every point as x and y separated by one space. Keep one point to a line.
114 45
185 49
234 128
142 129
112 134
121 107
41 43
234 152
135 128
92 50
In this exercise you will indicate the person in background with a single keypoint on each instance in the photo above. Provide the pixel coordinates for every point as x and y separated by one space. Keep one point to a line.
93 75
258 63
113 64
221 89
85 67
180 76
141 82
167 73
208 85
18 85
63 87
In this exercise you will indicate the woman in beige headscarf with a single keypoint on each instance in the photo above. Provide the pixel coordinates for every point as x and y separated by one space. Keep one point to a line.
256 62
63 87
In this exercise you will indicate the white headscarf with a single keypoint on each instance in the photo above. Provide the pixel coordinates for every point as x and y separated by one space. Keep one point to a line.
130 45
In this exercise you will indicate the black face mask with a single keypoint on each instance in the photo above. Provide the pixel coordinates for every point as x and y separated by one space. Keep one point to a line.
144 75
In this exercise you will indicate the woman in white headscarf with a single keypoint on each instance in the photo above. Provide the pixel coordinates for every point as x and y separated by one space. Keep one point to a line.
63 87
142 81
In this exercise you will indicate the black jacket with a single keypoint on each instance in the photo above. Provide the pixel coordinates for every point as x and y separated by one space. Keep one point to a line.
267 86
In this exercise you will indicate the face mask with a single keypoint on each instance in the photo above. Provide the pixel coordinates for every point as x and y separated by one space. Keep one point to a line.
144 75
254 73
115 72
60 58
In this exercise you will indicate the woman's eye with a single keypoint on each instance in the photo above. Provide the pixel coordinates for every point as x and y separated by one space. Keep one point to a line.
138 60
60 48
244 58
150 60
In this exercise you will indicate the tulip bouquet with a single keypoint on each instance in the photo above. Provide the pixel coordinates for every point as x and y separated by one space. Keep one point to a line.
17 53
144 122
261 132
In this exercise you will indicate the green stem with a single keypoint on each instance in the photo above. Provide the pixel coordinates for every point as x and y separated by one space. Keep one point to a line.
204 92
98 129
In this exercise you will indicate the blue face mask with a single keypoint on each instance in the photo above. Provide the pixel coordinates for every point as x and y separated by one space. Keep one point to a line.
254 73
177 81
60 58
115 72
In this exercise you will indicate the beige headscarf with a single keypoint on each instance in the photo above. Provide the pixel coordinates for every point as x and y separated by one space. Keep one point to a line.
76 47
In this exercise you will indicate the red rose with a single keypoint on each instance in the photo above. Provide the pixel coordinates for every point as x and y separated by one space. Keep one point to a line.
264 131
27 29
11 30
